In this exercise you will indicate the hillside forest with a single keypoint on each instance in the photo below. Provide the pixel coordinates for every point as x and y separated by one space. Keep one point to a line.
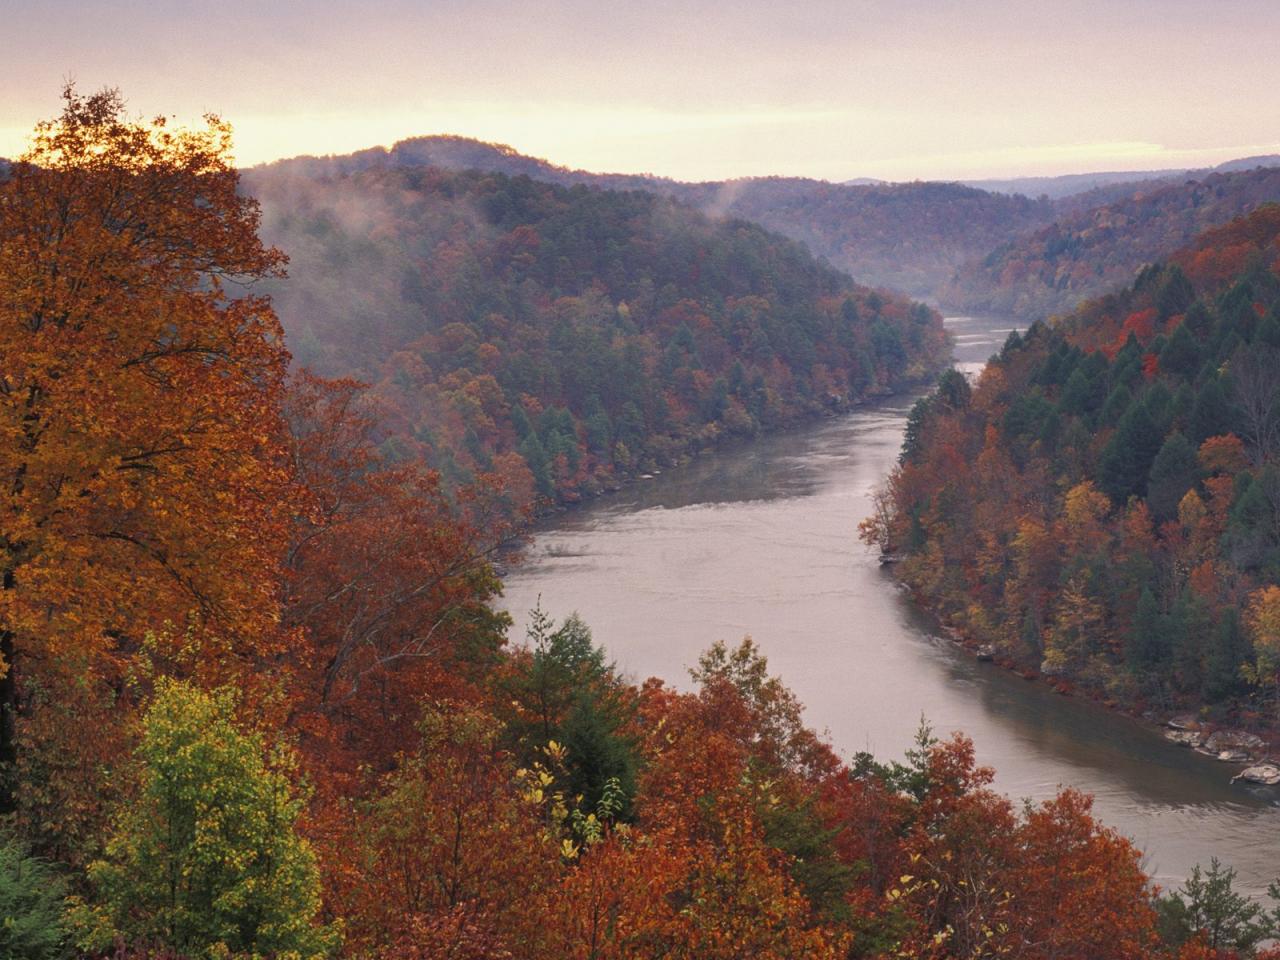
1101 505
565 339
1025 248
257 699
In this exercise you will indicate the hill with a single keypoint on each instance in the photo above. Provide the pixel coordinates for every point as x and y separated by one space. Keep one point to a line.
910 236
1094 248
569 337
1102 506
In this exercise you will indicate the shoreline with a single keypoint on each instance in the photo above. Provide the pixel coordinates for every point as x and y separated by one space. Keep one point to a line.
1182 727
720 445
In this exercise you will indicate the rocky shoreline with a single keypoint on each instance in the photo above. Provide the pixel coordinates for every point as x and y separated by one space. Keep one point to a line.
1258 756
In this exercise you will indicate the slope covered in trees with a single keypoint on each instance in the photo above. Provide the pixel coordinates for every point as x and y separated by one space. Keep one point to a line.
1100 242
908 236
569 337
260 704
1102 505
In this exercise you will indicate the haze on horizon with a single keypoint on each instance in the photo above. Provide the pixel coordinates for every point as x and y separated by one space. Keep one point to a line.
691 89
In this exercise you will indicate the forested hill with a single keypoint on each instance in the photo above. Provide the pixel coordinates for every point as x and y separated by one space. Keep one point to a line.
1102 242
1104 506
569 337
907 236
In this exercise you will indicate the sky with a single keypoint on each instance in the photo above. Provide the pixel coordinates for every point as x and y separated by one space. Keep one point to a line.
691 89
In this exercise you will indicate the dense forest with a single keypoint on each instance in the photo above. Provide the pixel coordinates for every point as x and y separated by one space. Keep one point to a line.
1102 505
907 236
567 338
1099 242
1035 245
257 702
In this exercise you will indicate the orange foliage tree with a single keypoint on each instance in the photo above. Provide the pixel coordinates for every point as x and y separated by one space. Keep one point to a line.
388 580
139 413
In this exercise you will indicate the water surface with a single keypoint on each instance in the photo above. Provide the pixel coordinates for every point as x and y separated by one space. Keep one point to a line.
762 539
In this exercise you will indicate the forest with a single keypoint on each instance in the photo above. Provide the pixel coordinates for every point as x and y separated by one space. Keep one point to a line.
909 237
1101 505
1024 248
258 703
1099 241
567 339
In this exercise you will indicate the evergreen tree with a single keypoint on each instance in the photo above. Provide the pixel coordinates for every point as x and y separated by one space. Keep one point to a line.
1211 413
1228 648
1181 354
1174 471
1146 644
1126 460
32 923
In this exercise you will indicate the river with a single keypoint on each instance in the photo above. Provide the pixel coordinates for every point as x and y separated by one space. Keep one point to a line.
761 539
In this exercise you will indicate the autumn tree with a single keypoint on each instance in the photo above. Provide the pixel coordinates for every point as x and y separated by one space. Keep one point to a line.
450 833
387 579
139 421
207 859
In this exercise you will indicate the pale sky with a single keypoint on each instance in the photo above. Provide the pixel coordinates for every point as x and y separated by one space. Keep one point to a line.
692 89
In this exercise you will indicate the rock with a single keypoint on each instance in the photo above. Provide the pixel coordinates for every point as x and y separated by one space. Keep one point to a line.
1234 756
1186 721
1234 740
1267 774
986 653
888 558
1052 669
1185 738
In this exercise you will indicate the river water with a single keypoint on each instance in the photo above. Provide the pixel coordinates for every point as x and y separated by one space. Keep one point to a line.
761 539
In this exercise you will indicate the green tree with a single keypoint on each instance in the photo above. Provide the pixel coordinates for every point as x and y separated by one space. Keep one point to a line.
1208 906
1228 649
1127 458
1146 646
569 693
32 923
207 861
1174 471
1181 354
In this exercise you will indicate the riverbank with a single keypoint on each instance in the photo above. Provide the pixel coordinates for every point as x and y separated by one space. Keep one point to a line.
1252 751
758 538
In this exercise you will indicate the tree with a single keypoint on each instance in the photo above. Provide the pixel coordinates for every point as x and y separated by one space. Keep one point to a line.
1147 646
562 688
32 926
1174 471
387 579
1127 458
207 859
1262 616
451 830
1208 907
1255 373
139 402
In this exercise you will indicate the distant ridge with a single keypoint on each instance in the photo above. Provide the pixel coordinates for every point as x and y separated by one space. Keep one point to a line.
1056 188
1097 247
913 237
905 236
